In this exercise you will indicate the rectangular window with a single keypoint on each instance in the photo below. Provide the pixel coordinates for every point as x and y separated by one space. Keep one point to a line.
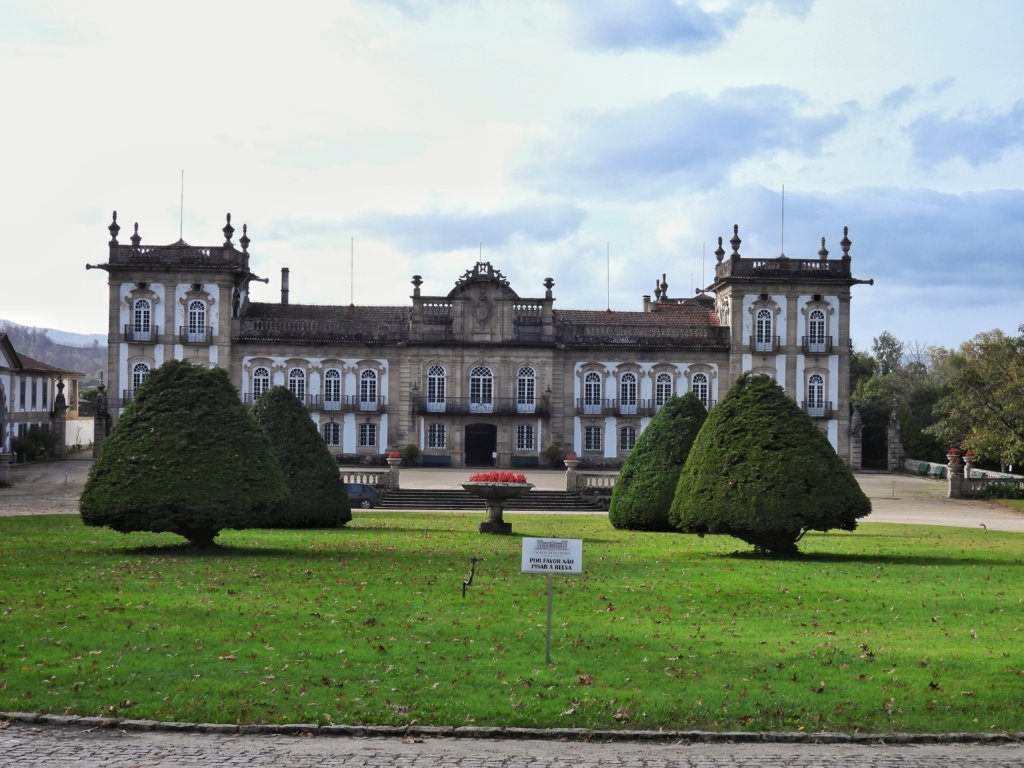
524 438
436 437
367 435
627 438
46 394
22 394
592 438
35 398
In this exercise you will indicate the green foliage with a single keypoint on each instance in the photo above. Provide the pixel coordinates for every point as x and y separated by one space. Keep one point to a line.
185 457
316 496
983 407
760 470
411 454
887 351
553 455
38 442
647 483
1003 491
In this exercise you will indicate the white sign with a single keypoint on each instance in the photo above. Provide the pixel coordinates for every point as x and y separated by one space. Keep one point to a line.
552 555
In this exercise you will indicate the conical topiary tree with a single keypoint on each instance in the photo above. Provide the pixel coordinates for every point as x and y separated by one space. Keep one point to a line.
316 496
760 470
185 457
647 483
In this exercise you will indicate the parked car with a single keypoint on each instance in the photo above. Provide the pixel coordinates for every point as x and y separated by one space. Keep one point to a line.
362 495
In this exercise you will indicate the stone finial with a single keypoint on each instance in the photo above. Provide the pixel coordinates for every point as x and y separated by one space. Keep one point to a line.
735 242
114 228
719 251
228 232
657 290
244 239
135 236
417 281
823 253
548 285
845 243
664 286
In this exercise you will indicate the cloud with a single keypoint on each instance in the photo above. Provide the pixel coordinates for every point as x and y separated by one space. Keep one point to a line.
679 26
978 141
437 231
683 142
899 97
417 10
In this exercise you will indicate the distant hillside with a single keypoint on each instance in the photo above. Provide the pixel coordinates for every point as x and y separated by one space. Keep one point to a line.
89 357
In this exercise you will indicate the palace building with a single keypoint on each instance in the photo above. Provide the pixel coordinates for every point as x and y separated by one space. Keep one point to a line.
483 375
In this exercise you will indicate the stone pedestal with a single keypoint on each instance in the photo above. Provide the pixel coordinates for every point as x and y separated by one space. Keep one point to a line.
495 495
896 457
394 474
570 475
954 476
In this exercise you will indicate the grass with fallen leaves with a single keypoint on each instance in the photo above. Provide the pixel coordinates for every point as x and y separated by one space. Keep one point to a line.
888 628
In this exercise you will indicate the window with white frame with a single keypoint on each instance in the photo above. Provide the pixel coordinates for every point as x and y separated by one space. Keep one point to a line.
368 435
368 390
627 392
436 386
627 438
699 387
436 436
526 389
196 328
332 389
662 389
816 394
332 434
142 315
524 438
763 339
816 341
592 392
260 382
481 389
592 438
297 383
140 372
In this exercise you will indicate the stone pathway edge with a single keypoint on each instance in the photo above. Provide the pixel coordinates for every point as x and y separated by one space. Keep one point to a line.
477 732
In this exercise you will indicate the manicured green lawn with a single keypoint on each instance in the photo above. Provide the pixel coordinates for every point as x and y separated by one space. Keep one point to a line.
888 628
1017 504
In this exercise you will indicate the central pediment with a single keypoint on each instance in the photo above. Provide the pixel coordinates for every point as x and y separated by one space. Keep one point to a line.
482 275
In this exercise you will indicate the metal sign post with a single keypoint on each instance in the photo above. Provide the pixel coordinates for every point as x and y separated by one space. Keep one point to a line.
551 556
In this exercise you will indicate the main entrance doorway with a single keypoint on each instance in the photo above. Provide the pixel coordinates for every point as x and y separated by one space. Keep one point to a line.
481 445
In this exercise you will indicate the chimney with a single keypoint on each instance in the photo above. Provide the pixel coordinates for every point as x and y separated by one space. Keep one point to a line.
284 285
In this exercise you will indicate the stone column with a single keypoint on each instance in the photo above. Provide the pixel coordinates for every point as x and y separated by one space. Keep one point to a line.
100 420
895 443
394 469
954 477
856 440
60 421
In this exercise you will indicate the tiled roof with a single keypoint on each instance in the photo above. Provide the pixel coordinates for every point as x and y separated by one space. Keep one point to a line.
690 313
338 313
31 363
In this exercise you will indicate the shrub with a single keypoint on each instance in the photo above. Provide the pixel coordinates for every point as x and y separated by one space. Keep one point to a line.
553 455
37 443
646 486
760 470
1003 491
316 496
410 454
185 457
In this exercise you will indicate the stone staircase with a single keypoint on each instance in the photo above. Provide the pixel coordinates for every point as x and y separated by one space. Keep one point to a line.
534 501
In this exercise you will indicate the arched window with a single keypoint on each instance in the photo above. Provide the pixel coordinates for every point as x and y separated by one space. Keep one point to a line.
662 389
526 389
763 338
332 389
332 433
481 390
699 387
140 372
627 393
368 390
260 382
196 329
436 389
816 341
816 405
142 316
592 392
297 383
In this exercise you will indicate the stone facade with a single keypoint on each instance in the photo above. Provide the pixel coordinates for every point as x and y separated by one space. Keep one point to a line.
482 375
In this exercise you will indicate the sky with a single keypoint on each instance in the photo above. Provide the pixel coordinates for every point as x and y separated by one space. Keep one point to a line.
538 135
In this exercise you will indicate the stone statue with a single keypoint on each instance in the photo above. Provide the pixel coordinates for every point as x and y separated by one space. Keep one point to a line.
856 425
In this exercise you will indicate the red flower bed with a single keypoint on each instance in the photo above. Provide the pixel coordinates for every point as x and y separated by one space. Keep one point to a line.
394 455
498 477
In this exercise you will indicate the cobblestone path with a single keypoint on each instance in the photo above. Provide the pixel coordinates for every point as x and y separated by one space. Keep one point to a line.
55 747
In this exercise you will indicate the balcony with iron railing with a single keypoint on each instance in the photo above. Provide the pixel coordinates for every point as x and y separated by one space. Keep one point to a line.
496 406
195 335
816 345
818 409
761 346
612 407
340 404
138 335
